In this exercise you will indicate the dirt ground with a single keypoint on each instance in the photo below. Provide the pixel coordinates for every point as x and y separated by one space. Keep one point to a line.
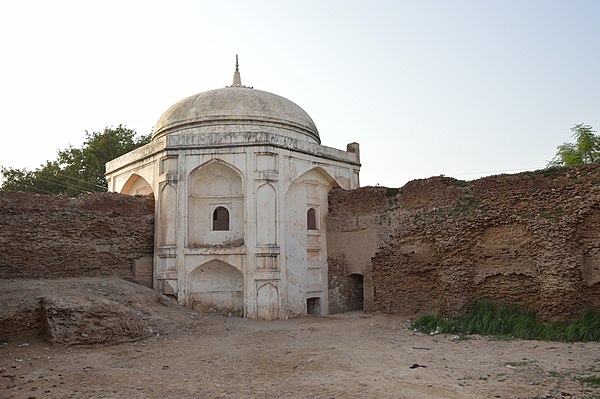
353 355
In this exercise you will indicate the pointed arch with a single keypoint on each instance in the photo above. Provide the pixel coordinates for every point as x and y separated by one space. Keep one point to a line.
217 285
137 185
267 302
214 189
311 219
167 215
305 263
317 173
211 175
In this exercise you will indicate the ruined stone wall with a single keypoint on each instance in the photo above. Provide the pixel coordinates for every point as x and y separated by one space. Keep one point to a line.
530 238
102 234
353 229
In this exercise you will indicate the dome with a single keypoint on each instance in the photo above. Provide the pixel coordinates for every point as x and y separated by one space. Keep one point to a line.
225 110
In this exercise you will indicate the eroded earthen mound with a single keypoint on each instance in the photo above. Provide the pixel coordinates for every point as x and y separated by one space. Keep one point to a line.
83 310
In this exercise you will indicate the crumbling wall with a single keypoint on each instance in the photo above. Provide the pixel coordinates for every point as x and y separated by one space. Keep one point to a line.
102 234
531 238
352 238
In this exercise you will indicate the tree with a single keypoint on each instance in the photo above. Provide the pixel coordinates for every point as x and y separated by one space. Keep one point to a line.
76 170
585 149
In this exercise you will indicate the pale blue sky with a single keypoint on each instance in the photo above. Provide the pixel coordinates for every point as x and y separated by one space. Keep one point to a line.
461 88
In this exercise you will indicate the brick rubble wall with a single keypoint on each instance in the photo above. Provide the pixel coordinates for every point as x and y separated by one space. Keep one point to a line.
531 238
101 234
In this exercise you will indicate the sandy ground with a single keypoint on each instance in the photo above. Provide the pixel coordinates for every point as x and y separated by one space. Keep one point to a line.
353 355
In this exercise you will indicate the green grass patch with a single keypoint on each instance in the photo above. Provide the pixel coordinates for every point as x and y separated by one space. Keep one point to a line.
505 320
553 172
554 213
592 381
392 192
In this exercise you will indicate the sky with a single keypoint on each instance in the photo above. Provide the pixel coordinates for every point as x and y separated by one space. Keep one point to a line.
427 87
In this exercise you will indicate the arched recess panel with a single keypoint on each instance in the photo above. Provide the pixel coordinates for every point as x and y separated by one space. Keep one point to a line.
304 249
266 225
295 249
136 185
211 186
217 285
267 302
167 215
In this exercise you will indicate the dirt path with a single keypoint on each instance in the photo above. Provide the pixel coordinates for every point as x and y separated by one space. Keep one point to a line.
346 356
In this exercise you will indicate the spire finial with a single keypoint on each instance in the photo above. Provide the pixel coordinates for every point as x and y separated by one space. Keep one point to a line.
237 80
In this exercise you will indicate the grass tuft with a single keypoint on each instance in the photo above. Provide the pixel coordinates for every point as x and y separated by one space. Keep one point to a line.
591 381
502 320
392 192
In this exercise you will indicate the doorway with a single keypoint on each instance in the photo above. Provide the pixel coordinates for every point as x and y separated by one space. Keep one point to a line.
356 292
313 306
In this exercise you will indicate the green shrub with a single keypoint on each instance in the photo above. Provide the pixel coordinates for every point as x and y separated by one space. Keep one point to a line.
392 192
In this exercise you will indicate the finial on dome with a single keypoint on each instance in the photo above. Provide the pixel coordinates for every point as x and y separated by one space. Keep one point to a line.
237 80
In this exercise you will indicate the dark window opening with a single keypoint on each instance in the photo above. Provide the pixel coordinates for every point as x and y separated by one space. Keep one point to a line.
311 219
221 219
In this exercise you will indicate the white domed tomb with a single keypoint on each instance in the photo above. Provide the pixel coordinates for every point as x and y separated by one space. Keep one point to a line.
241 180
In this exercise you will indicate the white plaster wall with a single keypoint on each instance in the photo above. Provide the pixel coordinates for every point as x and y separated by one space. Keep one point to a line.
305 255
267 182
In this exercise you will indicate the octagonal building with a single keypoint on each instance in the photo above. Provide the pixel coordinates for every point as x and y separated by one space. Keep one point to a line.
240 180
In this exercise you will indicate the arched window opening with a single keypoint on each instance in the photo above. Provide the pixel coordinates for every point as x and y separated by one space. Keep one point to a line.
221 219
311 219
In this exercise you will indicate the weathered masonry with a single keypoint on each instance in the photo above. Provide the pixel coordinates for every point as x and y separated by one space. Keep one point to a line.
438 244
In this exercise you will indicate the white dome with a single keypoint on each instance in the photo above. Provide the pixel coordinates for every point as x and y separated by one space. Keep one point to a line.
230 108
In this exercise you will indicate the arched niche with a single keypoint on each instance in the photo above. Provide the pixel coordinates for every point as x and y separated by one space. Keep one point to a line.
266 215
137 185
311 219
167 215
212 186
308 191
215 178
305 250
267 302
217 285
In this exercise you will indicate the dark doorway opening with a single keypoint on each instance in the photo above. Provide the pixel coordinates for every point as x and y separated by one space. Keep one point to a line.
313 306
356 297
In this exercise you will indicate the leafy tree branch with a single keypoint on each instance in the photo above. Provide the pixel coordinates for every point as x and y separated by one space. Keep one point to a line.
584 149
76 170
